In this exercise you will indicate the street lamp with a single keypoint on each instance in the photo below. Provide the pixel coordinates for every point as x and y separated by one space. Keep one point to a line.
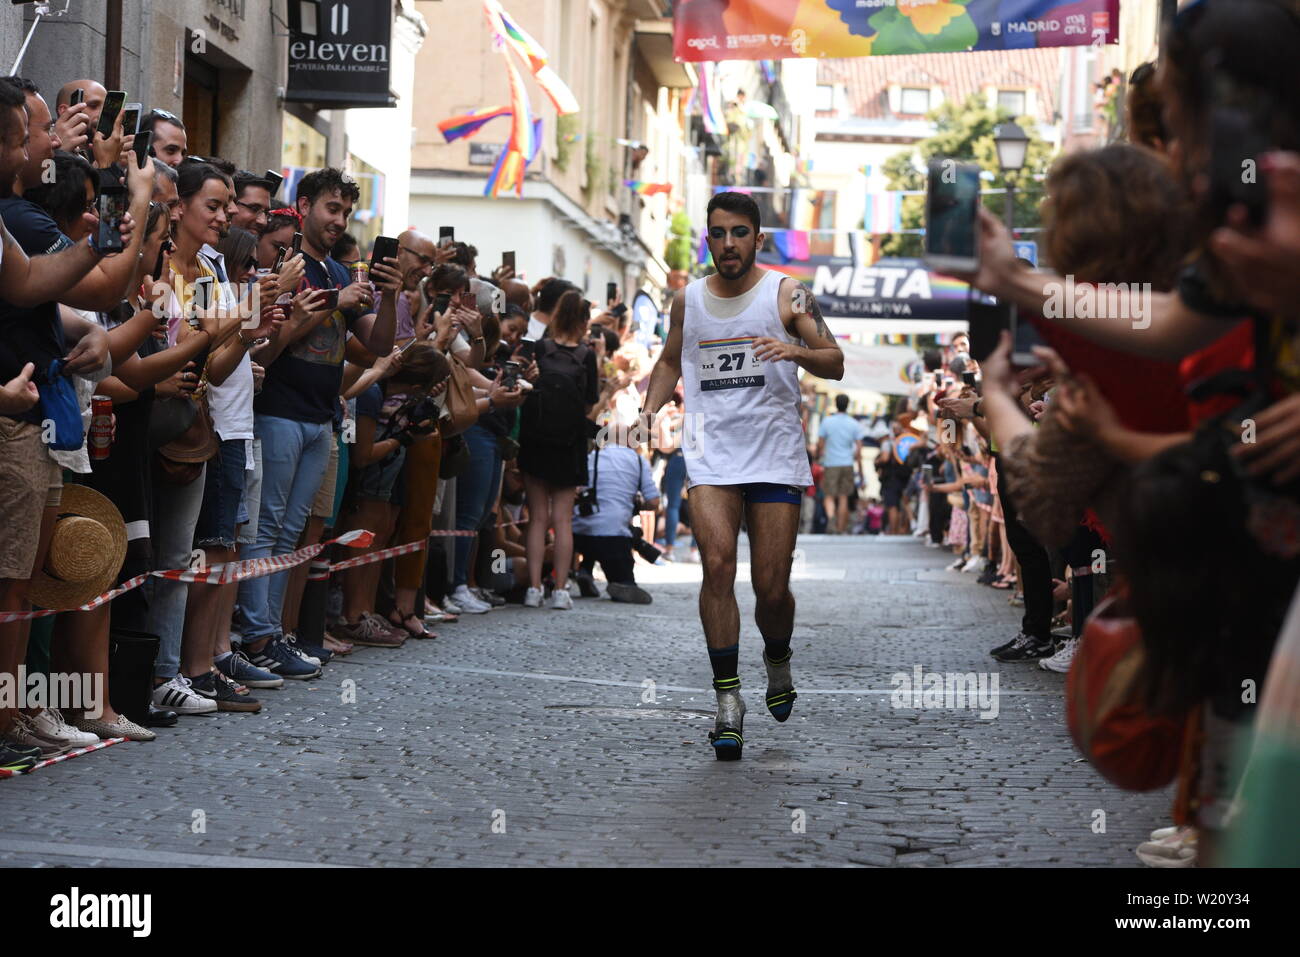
1012 144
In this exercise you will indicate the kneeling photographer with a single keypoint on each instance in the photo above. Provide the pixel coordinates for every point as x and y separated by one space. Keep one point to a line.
622 483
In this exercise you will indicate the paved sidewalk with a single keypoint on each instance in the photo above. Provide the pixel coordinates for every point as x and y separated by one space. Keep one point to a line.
528 737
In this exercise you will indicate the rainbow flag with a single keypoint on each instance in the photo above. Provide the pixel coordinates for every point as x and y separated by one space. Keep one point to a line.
647 189
467 124
791 244
710 100
532 53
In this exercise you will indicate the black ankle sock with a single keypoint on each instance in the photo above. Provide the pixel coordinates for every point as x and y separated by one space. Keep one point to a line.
725 662
777 649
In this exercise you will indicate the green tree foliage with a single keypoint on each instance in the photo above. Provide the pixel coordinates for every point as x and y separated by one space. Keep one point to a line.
964 131
678 253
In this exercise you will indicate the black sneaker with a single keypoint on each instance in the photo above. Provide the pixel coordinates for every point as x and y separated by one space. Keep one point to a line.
221 689
632 594
15 758
586 584
989 575
1007 646
1026 648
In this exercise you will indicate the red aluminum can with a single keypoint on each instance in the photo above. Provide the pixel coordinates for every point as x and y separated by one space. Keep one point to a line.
101 426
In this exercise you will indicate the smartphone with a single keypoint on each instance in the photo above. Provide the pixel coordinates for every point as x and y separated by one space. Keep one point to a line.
141 145
951 216
611 293
113 104
385 248
1023 339
78 96
1239 136
203 293
510 374
112 206
446 235
275 179
968 378
938 380
330 301
279 259
297 243
927 473
508 259
130 119
525 349
441 302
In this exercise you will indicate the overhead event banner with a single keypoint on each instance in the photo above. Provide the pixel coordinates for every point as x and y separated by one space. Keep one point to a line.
346 63
883 369
887 289
774 29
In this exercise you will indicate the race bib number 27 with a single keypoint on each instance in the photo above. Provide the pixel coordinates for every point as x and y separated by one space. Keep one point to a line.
729 364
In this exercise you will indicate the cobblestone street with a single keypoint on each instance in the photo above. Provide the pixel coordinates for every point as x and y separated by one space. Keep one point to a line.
526 737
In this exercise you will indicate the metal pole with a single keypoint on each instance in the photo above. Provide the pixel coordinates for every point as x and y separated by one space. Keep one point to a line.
1011 208
13 71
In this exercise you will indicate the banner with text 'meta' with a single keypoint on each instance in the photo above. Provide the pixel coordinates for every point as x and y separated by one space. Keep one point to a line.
775 29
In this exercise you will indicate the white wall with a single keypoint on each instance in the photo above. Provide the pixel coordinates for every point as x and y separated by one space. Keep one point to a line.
531 227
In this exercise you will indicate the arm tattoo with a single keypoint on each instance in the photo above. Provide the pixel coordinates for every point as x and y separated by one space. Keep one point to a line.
816 310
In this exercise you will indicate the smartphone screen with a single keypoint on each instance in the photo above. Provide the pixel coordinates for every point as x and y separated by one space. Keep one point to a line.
112 207
968 378
952 201
611 292
113 104
1239 132
508 259
130 119
446 235
1023 338
526 349
441 302
385 248
141 146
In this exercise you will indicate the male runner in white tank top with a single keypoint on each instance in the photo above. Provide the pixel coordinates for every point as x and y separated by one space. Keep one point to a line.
732 339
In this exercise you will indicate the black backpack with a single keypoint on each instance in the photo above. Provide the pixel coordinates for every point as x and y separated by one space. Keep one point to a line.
559 396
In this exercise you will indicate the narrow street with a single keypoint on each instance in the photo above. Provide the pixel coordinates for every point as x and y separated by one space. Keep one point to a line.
529 737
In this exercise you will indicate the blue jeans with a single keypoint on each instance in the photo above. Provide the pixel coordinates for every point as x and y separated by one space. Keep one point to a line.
294 458
475 491
175 515
673 482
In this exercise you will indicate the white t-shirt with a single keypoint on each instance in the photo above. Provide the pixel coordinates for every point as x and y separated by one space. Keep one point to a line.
231 403
621 472
536 329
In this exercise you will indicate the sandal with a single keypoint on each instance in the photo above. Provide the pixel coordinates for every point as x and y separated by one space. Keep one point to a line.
405 624
1001 583
432 611
333 644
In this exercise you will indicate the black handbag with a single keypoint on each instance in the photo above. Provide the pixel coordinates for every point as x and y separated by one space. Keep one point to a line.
169 419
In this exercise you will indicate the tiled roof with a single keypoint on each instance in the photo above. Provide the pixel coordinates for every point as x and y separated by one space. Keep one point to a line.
867 79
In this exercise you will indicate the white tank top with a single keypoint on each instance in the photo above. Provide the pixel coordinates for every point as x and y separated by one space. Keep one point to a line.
742 416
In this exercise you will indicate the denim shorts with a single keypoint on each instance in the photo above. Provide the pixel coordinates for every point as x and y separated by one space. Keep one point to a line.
223 494
379 482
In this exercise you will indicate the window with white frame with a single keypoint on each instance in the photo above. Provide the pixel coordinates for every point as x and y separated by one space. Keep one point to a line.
1013 101
914 100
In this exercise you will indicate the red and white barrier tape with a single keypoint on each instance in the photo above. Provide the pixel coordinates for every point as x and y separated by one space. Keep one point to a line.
220 574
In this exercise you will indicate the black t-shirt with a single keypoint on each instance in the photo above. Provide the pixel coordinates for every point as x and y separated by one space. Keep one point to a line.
500 421
303 383
31 335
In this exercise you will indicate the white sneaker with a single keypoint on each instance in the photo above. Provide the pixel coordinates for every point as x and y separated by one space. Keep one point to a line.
533 598
1060 662
177 695
561 600
51 723
931 543
976 564
1175 850
957 565
467 603
24 733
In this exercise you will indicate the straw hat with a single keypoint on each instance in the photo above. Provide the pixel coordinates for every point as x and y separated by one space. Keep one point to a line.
86 551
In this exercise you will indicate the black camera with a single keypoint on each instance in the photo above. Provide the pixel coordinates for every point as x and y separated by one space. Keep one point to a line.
586 502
